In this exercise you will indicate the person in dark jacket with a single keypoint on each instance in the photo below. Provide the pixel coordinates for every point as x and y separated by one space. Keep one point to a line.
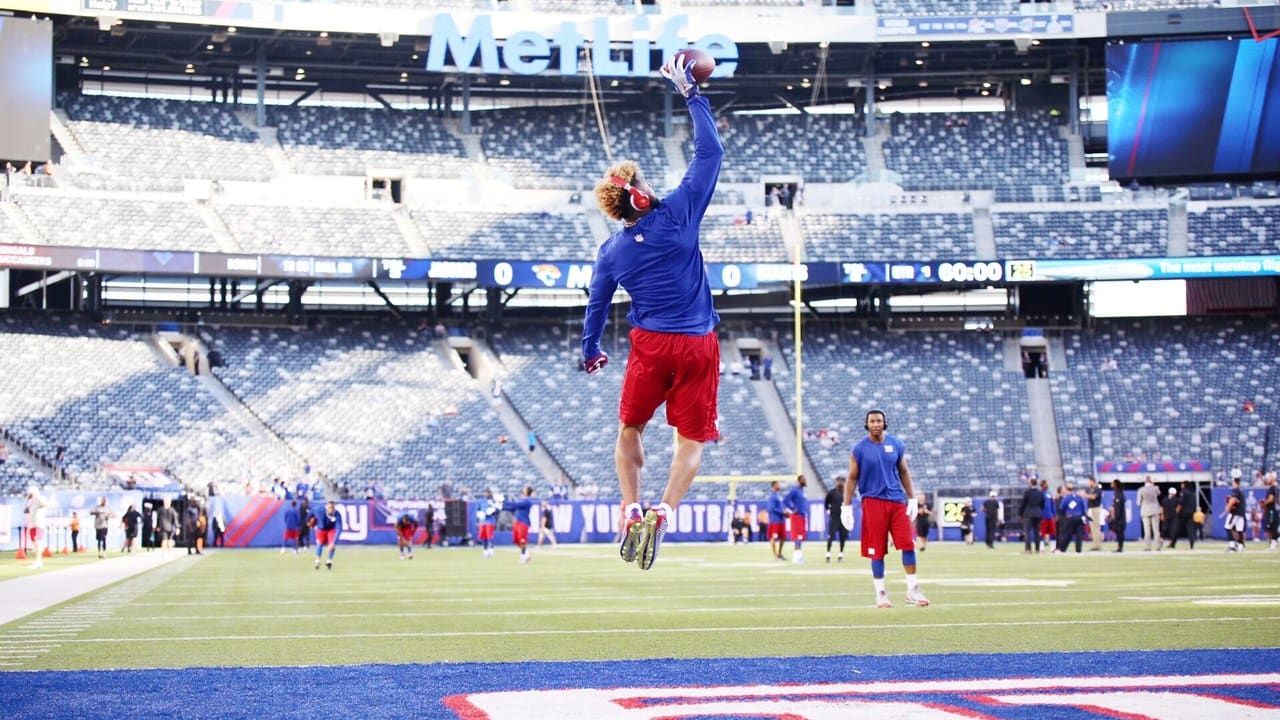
1118 517
1031 510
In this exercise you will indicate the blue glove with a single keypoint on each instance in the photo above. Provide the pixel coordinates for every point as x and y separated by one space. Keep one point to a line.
680 76
593 364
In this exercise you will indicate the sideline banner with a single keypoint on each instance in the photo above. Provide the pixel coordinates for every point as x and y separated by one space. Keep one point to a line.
259 521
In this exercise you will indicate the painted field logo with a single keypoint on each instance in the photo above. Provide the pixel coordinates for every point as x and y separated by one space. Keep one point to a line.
1156 697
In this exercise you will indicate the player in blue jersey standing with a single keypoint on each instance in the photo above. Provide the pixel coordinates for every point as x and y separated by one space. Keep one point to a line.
487 522
675 354
798 513
878 468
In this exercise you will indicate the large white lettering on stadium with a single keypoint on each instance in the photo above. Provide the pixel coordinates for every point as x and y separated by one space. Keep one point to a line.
529 53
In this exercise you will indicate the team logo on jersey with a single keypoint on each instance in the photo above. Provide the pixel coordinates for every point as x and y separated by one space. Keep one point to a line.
639 237
546 273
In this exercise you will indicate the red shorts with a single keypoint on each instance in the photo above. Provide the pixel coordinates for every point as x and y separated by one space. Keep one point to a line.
35 533
325 537
882 519
681 370
520 533
777 531
799 527
406 534
290 534
1049 526
486 531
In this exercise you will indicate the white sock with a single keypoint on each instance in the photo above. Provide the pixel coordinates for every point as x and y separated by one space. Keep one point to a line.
879 583
912 584
631 508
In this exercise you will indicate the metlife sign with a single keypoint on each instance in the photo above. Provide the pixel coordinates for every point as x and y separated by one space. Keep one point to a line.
527 52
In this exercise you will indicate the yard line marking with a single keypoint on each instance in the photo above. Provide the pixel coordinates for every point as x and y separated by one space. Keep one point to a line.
653 630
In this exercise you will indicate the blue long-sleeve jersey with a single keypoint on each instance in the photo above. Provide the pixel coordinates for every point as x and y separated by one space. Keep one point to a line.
658 260
488 511
775 506
796 502
1050 509
520 508
325 521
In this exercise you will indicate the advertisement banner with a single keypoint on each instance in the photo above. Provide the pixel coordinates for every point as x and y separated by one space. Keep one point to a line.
975 26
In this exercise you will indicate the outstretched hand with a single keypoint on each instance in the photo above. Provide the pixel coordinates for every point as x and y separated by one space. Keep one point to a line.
680 75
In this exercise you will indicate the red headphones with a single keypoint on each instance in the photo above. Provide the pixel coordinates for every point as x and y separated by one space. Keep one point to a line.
639 200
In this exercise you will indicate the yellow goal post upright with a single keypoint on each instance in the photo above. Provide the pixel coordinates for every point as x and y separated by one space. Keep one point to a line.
797 275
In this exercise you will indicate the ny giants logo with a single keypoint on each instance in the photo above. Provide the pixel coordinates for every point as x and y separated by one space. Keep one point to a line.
1159 697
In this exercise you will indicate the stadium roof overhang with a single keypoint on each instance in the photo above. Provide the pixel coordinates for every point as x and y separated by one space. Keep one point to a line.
769 75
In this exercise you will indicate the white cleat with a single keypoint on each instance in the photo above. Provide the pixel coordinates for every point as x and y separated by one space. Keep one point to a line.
917 598
882 600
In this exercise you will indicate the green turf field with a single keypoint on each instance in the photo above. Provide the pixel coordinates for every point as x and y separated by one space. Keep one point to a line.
257 607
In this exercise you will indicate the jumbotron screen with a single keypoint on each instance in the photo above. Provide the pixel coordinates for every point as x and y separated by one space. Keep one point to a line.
26 88
1193 109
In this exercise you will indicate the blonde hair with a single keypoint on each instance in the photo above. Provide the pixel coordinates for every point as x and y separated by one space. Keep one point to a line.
614 201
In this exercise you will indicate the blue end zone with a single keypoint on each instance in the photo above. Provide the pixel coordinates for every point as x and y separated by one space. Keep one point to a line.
418 691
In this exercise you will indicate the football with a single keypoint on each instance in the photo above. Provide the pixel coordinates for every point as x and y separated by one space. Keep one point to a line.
703 63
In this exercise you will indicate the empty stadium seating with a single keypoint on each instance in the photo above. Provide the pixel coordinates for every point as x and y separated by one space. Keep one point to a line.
561 147
491 234
312 230
963 417
976 151
16 475
1081 233
1234 230
372 402
351 141
143 138
821 148
95 221
1177 391
888 236
103 393
727 238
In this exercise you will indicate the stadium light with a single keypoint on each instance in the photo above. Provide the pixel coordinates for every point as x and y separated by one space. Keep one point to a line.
388 38
232 29
1025 81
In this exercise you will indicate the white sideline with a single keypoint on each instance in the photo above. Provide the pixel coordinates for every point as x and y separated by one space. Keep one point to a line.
23 596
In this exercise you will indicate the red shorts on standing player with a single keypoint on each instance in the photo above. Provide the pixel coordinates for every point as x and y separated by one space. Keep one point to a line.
326 537
485 531
881 520
520 533
799 527
777 531
681 370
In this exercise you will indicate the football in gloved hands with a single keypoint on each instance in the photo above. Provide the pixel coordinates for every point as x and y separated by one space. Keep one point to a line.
700 60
